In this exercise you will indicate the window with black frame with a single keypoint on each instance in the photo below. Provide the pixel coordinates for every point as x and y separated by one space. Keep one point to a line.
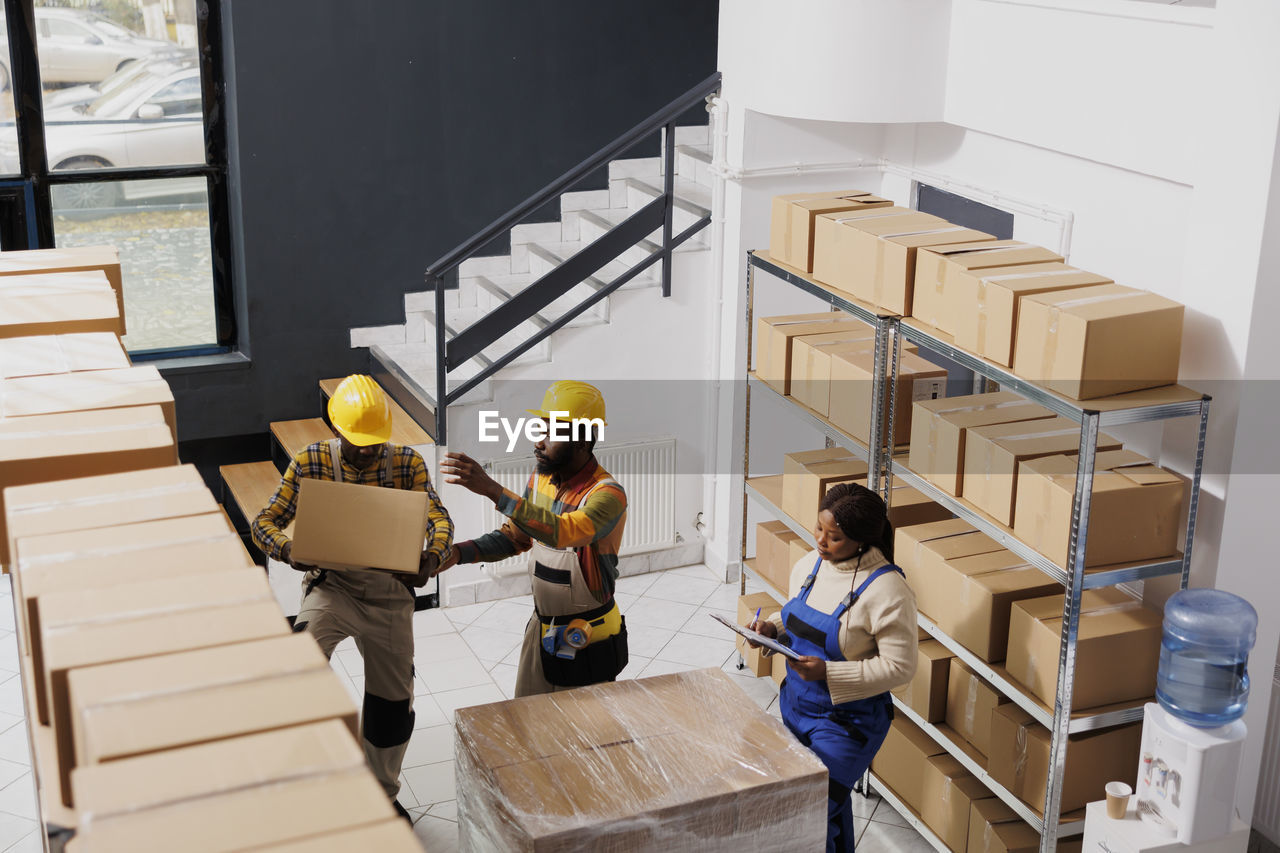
117 138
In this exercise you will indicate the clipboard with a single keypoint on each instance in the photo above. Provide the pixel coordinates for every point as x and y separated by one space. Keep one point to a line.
767 642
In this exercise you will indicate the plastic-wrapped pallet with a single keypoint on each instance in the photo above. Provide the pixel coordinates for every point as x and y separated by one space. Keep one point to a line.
682 762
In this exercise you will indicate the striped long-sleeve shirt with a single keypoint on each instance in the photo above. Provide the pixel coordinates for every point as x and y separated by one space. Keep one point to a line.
408 471
557 516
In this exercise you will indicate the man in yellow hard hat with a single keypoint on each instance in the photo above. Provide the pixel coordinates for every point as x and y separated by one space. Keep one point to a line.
374 607
571 515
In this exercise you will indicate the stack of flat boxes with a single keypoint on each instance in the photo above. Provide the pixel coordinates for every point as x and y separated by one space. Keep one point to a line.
166 696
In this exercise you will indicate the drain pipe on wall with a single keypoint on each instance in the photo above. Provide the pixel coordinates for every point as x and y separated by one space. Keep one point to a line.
719 130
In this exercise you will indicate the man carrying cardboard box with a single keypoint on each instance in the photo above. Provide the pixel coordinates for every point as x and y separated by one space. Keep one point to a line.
572 514
376 608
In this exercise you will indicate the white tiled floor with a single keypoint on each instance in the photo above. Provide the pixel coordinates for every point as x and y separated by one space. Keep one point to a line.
466 656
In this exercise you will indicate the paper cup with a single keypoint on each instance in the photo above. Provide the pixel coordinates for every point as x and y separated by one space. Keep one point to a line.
1118 794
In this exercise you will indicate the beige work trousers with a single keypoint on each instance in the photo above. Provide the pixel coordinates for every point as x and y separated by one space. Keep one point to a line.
375 609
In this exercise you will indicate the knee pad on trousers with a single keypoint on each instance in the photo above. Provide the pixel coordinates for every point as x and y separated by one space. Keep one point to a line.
387 722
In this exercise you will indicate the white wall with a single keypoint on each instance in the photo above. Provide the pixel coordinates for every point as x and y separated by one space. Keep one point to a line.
1121 129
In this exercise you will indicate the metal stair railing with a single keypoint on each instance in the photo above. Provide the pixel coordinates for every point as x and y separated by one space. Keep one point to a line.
529 302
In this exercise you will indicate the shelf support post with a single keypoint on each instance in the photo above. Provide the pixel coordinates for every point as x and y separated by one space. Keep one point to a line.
1194 500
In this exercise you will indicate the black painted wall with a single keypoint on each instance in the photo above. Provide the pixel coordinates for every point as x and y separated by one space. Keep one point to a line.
367 140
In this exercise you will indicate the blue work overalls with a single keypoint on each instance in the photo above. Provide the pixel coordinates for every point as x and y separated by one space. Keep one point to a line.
845 736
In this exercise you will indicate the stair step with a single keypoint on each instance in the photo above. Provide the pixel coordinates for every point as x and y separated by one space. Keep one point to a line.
487 265
249 486
694 164
692 134
404 429
289 438
584 200
639 167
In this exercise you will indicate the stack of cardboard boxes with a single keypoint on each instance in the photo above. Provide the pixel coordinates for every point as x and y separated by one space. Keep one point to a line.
166 696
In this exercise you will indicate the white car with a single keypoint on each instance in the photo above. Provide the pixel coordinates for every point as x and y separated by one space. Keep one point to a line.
154 118
80 47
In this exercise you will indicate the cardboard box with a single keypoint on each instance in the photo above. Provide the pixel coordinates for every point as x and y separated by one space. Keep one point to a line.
940 270
392 525
996 828
42 355
887 266
926 692
685 753
105 500
104 259
987 307
844 255
1098 341
773 543
388 836
901 761
808 474
949 792
921 551
43 448
173 775
970 701
939 429
992 454
1131 834
852 374
757 664
775 337
1134 514
90 390
791 227
1117 650
58 304
909 507
243 819
178 630
1019 758
159 703
811 364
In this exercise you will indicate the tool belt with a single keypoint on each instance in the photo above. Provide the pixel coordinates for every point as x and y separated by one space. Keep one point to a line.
604 656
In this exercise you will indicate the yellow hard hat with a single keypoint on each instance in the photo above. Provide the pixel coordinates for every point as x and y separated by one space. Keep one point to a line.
359 411
579 399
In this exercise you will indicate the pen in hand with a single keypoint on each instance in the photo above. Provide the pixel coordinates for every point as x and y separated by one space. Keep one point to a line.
755 621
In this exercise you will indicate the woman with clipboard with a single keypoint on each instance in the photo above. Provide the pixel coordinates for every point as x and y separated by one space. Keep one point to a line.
852 619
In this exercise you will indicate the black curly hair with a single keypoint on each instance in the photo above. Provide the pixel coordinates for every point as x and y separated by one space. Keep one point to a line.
861 515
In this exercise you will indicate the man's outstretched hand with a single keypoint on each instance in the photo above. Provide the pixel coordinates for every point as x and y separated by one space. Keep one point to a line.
428 567
461 469
286 557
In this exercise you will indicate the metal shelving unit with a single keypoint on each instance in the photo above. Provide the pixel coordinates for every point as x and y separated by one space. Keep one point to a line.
1137 407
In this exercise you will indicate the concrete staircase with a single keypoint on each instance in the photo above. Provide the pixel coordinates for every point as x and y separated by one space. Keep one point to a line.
537 248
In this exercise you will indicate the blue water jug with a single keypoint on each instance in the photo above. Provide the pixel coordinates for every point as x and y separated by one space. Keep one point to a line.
1203 677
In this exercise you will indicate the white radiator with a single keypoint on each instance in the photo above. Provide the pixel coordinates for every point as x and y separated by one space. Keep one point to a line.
1266 810
645 470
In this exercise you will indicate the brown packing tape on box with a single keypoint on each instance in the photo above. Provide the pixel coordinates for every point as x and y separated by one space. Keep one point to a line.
58 304
992 454
996 828
104 259
1135 509
900 761
939 429
949 791
989 323
843 252
970 701
1099 341
852 374
926 692
757 664
90 390
775 337
791 233
941 270
41 355
1117 648
43 448
244 819
893 278
1019 758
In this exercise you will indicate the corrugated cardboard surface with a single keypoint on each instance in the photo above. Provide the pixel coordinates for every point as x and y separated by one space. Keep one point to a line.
42 355
940 270
949 791
970 701
89 390
1135 510
757 664
852 374
390 836
58 304
791 227
1102 347
773 344
808 474
891 274
105 259
922 549
844 255
687 757
811 364
349 526
988 319
986 585
43 448
996 828
939 429
1117 652
926 692
173 775
1020 758
238 820
773 540
831 250
900 761
992 454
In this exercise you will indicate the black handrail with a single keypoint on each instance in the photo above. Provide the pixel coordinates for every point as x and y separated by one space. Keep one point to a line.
562 184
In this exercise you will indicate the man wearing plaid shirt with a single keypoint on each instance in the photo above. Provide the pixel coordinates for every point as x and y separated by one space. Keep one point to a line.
374 607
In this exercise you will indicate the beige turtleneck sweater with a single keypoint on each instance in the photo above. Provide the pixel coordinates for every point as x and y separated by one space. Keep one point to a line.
877 634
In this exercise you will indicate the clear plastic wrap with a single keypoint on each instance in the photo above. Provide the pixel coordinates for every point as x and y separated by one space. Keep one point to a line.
682 762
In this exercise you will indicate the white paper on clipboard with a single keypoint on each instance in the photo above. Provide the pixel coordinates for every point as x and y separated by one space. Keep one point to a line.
767 642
